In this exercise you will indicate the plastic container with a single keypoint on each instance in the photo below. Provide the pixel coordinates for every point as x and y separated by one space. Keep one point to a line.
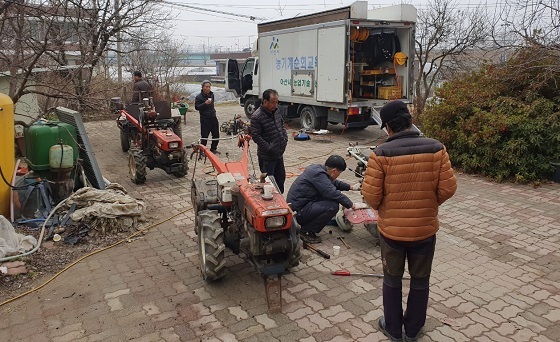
61 157
40 137
336 250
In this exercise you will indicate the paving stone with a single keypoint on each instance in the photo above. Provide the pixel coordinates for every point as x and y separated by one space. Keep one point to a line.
495 270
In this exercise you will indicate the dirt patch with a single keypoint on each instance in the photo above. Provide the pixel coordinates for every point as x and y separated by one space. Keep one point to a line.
50 259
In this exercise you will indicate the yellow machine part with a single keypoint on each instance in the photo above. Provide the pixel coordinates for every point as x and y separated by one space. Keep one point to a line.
7 152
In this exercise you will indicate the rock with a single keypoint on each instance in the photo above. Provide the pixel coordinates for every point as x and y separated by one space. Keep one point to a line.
17 270
13 264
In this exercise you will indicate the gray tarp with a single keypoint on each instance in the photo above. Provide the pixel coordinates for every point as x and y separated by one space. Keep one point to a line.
106 210
12 243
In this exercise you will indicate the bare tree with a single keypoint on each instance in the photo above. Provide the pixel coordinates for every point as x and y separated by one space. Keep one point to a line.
68 41
158 60
532 28
528 22
444 34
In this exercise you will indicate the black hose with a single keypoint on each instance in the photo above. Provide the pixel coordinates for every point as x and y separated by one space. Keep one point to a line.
17 187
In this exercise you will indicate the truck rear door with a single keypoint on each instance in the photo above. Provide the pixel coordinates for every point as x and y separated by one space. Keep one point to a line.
331 64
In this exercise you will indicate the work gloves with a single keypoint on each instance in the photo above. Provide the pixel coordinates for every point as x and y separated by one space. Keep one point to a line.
356 186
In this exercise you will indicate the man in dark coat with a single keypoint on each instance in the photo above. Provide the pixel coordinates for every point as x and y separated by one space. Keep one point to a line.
316 195
141 88
204 103
269 133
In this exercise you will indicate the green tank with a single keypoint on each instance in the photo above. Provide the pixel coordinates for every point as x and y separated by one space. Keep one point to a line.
40 137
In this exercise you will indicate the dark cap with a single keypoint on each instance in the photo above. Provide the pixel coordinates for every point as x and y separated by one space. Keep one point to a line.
137 73
392 110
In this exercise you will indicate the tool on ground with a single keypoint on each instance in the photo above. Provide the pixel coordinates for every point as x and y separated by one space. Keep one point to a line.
318 251
341 238
346 273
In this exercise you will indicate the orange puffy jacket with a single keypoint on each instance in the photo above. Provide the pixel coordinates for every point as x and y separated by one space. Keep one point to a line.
406 179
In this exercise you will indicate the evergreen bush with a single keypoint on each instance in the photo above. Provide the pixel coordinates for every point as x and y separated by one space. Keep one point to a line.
501 121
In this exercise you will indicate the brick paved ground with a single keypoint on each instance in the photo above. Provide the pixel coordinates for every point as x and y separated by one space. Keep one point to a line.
496 273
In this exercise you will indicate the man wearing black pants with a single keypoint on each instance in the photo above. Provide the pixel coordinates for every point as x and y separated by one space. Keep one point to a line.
204 103
407 178
316 196
269 133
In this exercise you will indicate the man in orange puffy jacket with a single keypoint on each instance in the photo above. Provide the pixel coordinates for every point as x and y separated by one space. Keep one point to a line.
406 180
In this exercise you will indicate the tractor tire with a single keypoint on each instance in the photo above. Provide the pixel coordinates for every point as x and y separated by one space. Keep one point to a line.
308 119
251 104
295 256
125 141
137 166
184 164
211 247
342 222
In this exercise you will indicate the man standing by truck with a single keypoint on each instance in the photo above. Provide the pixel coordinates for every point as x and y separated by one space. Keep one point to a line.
407 178
269 133
204 103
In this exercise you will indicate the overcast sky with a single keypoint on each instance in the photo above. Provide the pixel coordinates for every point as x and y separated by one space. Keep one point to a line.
197 28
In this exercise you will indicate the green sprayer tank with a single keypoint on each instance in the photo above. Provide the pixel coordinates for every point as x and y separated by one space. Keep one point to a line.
41 136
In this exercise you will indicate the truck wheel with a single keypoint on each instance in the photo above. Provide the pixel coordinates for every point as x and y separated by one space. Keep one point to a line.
184 164
295 256
136 166
125 141
342 222
308 119
211 247
250 106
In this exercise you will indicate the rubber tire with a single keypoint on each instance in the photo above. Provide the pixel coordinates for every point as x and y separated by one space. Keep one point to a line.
295 256
138 172
342 222
125 141
184 165
250 106
211 247
308 119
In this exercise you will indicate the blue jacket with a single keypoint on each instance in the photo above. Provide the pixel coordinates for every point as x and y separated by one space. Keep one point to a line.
314 184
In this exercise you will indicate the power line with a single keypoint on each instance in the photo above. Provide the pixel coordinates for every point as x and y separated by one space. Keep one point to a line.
251 17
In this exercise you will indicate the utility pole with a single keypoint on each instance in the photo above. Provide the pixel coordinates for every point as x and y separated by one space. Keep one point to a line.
119 43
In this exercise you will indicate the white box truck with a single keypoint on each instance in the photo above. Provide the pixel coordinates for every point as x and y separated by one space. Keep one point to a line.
338 66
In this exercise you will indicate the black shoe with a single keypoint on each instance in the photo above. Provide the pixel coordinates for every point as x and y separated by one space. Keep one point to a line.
310 237
406 338
383 329
216 152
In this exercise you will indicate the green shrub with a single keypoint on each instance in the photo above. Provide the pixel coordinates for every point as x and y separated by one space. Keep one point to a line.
501 122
